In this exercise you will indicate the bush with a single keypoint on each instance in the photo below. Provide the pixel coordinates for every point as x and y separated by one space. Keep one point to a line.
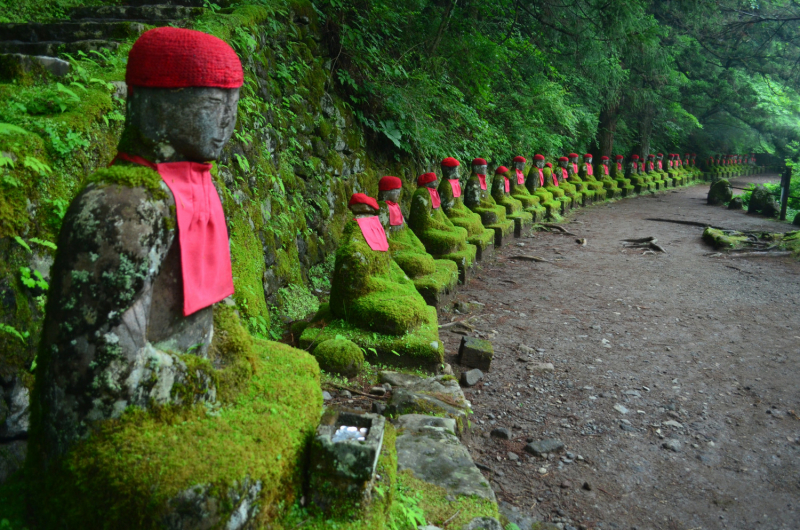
339 356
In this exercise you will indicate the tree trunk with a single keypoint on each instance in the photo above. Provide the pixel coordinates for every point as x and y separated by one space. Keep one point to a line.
648 114
443 25
609 117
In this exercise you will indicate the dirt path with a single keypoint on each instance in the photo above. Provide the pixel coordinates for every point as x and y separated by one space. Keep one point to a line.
710 344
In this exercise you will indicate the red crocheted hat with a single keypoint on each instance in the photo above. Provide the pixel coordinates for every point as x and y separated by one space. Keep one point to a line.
519 159
450 162
563 159
618 157
538 157
479 162
389 183
548 165
500 170
604 157
635 157
660 154
360 198
588 155
651 155
181 58
425 178
573 155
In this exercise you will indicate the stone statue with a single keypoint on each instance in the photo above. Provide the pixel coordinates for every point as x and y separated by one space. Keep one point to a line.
552 184
519 191
570 190
434 279
616 173
601 189
478 198
453 206
537 185
501 193
583 195
442 239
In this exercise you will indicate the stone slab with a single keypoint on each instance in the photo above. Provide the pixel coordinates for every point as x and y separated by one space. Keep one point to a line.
475 353
440 395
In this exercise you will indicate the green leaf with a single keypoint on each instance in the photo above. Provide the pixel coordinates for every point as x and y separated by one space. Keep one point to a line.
22 243
36 165
44 243
11 330
65 90
7 128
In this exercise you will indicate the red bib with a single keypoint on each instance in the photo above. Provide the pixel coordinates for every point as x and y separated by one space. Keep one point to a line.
435 200
520 177
605 169
659 165
555 178
395 215
541 177
589 170
564 173
507 184
575 168
373 232
482 180
619 166
651 166
636 166
202 233
456 185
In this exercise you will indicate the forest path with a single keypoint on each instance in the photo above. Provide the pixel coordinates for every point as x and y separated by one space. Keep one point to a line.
709 343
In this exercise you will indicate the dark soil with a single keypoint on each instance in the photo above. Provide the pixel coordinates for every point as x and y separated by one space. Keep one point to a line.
709 343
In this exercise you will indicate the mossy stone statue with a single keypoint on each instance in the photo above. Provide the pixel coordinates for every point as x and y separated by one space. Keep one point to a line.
553 184
452 197
616 172
796 220
570 190
588 194
720 193
519 191
501 193
434 279
537 185
339 356
369 290
478 199
762 201
602 189
133 340
650 167
736 203
442 239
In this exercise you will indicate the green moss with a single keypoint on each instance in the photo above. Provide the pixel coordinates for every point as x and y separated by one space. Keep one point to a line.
719 239
247 261
339 356
295 302
439 506
132 176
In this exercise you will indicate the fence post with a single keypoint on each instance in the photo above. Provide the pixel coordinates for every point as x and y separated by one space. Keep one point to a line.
786 180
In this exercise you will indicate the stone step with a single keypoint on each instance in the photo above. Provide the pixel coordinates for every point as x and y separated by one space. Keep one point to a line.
143 12
54 48
77 31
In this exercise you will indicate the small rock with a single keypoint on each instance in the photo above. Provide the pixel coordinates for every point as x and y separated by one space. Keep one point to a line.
501 433
378 407
541 367
475 353
633 393
672 445
543 447
447 370
566 485
461 307
513 456
587 486
326 396
345 394
542 470
388 387
377 391
471 377
483 523
619 408
526 349
673 414
627 428
673 423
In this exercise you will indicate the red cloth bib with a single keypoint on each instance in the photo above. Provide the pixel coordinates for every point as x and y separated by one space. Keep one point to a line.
660 167
555 178
564 173
202 233
651 166
636 166
373 232
520 177
435 200
619 166
605 169
395 215
456 185
541 177
482 180
575 168
589 170
507 184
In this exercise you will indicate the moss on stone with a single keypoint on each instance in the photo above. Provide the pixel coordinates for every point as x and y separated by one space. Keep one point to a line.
132 176
719 239
339 356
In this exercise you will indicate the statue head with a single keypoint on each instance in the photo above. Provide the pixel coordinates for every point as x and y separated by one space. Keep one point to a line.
500 173
389 189
660 156
619 158
450 168
587 158
518 162
479 166
562 161
362 205
604 160
183 92
539 161
573 158
428 180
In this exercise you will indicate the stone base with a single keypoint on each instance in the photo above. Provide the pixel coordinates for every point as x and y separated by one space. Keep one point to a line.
475 353
522 224
440 395
420 348
483 243
502 231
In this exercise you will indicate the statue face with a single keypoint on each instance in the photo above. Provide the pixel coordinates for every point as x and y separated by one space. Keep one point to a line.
562 163
479 170
390 195
450 172
540 164
434 184
605 162
363 209
186 124
588 160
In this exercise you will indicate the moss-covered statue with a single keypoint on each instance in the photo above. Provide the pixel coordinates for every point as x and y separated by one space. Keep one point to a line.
451 195
614 172
369 290
141 381
661 169
632 173
537 185
434 279
650 167
672 171
501 193
478 198
584 195
519 191
603 187
570 190
442 239
553 185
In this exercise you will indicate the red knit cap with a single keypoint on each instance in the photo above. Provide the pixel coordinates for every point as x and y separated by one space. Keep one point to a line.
426 178
660 154
500 170
618 157
548 165
360 198
604 157
651 155
389 183
479 162
573 155
635 157
180 58
450 162
588 155
563 159
538 157
519 159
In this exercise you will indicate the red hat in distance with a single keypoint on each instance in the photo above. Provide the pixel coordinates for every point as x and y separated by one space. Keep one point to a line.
479 162
389 183
519 159
563 159
538 157
360 198
660 154
450 162
651 155
573 155
588 155
500 170
425 178
604 157
618 157
180 58
635 157
548 165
